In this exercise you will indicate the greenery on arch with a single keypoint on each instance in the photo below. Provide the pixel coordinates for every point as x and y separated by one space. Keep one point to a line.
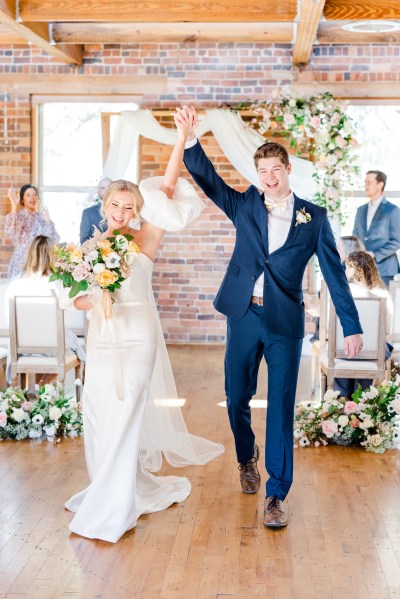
319 126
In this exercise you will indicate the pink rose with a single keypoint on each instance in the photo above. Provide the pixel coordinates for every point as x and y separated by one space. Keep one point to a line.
3 419
329 428
81 271
26 405
315 122
354 422
350 407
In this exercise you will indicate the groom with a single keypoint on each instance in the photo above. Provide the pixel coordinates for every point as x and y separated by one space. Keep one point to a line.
261 295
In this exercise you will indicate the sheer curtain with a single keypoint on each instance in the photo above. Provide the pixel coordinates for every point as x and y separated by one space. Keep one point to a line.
236 139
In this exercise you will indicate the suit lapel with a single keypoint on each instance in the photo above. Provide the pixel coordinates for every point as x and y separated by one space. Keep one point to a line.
262 220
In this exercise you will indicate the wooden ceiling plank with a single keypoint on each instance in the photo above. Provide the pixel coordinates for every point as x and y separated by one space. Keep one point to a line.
348 90
332 32
361 9
310 15
167 11
103 33
38 34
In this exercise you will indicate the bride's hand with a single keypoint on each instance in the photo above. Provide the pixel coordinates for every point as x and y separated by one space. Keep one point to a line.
187 118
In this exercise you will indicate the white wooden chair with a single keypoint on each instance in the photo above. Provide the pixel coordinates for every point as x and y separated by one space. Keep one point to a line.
37 339
4 328
323 335
370 362
394 337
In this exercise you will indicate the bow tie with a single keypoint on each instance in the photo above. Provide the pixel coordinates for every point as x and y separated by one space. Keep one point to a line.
282 204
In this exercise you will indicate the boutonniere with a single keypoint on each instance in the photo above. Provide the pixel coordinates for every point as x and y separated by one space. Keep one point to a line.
302 217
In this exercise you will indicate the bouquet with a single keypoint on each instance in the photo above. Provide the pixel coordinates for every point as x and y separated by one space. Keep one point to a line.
370 420
46 412
101 263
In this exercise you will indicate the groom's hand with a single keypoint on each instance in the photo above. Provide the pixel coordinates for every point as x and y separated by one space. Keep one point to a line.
352 345
188 115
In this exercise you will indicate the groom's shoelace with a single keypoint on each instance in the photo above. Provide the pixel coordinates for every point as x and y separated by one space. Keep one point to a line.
274 503
248 466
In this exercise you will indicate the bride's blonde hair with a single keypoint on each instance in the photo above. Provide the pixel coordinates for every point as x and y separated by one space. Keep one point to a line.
122 185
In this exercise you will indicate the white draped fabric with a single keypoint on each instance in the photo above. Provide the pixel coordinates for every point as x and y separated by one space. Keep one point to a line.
237 141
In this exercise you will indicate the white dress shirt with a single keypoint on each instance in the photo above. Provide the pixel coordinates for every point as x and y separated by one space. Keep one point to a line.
278 230
372 208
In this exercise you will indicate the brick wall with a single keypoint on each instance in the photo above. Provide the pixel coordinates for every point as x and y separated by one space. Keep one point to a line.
192 263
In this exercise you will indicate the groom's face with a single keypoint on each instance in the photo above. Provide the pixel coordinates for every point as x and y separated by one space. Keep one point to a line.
274 177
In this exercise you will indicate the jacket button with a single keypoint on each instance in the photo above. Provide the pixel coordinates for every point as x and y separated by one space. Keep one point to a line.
253 278
267 261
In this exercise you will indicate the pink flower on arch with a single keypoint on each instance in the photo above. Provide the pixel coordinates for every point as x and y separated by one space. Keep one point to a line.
350 407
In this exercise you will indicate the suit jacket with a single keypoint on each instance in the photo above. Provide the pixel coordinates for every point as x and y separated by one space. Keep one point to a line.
382 237
91 217
284 268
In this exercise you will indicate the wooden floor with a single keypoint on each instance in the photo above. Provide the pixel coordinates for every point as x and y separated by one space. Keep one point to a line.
343 540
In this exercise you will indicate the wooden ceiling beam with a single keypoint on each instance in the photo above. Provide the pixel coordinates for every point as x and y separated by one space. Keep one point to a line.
76 84
107 33
166 11
351 90
365 10
310 15
332 32
38 34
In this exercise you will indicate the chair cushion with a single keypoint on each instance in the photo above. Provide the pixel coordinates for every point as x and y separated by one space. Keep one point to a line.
26 361
359 365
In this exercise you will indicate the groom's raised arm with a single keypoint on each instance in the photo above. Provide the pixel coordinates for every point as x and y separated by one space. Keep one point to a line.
203 172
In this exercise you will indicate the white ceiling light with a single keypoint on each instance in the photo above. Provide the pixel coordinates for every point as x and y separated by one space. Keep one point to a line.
372 26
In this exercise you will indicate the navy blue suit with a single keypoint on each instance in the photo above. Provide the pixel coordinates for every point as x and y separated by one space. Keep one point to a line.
275 329
91 218
383 236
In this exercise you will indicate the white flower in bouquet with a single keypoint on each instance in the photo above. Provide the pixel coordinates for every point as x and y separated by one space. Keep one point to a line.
76 255
92 256
304 442
113 260
330 394
343 420
121 242
368 423
298 433
99 267
375 440
35 433
38 419
55 413
292 102
18 414
395 405
50 430
129 258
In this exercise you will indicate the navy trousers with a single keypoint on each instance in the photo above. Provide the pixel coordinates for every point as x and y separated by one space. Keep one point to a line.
248 340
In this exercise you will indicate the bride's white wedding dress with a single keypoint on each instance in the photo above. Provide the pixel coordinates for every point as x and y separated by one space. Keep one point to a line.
130 417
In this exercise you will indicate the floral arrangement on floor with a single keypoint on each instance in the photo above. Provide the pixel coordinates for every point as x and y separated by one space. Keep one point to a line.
47 412
370 420
318 125
101 263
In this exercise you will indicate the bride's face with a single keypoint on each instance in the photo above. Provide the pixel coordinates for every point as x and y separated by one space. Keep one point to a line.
119 210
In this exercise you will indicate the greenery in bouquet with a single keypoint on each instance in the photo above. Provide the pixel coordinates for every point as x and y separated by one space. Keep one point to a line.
101 263
319 126
47 412
371 419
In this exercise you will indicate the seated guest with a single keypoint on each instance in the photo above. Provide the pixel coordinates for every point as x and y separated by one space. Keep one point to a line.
364 279
348 244
34 281
91 216
345 246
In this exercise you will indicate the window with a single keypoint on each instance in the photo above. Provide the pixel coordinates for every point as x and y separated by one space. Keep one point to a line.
73 138
377 133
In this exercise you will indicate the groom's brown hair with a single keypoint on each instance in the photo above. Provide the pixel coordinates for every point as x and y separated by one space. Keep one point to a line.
272 150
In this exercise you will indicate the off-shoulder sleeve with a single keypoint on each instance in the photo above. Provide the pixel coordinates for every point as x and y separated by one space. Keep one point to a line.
170 214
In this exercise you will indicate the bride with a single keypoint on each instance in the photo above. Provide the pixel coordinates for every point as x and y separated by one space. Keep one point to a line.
130 418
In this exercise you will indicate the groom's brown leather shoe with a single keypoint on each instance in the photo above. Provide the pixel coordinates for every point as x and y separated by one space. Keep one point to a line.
274 516
250 478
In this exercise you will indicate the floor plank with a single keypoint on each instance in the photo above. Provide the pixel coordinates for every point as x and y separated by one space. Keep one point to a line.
343 539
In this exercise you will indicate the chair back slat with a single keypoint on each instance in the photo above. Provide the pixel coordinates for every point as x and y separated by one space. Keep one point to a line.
394 289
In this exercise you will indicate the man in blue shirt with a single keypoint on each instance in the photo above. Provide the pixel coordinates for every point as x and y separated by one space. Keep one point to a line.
91 216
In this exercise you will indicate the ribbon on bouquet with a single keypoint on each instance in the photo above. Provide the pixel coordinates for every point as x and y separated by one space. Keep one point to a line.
103 312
